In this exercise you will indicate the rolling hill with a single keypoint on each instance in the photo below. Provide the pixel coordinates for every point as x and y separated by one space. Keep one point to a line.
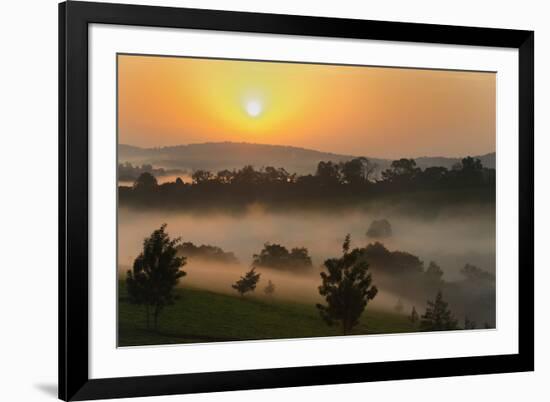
216 156
203 316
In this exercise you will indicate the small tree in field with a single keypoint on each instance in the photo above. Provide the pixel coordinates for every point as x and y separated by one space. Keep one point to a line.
155 274
414 316
247 283
438 317
346 288
270 288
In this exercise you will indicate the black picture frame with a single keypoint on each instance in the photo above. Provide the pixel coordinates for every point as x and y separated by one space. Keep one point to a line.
74 381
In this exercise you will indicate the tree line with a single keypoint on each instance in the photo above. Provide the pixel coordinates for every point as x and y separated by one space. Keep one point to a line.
353 179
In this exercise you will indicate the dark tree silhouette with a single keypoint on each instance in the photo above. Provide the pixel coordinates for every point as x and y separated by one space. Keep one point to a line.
225 176
274 175
346 288
270 288
470 171
401 170
206 252
278 257
145 182
299 258
357 170
247 283
155 274
438 317
470 164
202 176
414 316
328 173
247 175
391 262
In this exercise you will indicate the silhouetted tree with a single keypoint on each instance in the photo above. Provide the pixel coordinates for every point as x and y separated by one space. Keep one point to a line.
346 288
278 257
437 317
414 316
357 170
328 172
274 175
470 164
225 176
201 176
206 253
146 181
270 288
391 262
247 283
299 258
247 175
155 274
471 171
401 170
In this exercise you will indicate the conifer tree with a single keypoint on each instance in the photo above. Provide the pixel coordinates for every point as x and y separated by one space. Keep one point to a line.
346 288
247 283
438 317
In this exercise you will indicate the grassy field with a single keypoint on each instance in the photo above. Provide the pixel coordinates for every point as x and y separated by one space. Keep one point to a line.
203 316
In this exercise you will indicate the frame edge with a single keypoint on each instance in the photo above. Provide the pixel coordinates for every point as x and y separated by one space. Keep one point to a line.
62 335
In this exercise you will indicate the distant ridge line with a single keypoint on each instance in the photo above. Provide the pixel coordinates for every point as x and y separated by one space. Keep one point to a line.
254 144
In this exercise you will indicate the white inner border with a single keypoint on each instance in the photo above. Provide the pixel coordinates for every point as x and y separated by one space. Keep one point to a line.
106 360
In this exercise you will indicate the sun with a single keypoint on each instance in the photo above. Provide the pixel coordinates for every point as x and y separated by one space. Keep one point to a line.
253 107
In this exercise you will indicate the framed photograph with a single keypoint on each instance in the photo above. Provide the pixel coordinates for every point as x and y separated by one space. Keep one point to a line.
256 200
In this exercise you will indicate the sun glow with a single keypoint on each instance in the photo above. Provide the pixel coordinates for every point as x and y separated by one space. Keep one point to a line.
253 107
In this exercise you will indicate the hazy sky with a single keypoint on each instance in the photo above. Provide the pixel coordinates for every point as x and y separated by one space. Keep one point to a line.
377 112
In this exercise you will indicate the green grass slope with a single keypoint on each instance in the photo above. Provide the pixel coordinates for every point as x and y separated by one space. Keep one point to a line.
203 316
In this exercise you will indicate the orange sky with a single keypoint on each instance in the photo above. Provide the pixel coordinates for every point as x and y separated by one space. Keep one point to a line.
377 112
